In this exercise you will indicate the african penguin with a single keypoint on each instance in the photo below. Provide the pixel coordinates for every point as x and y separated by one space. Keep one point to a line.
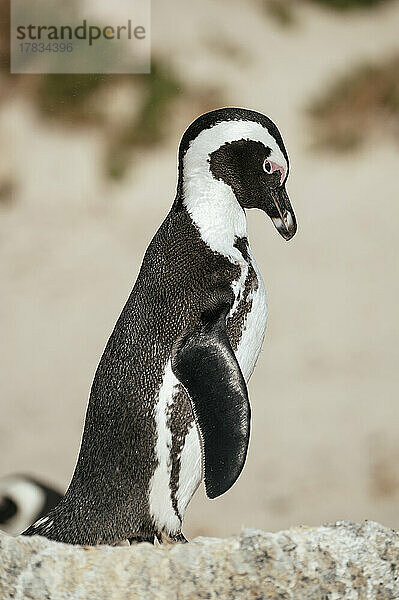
23 500
169 403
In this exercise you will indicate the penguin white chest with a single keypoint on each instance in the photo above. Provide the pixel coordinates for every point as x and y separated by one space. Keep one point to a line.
250 302
162 511
254 324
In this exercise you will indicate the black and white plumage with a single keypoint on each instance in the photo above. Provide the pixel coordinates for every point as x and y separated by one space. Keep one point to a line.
169 403
23 500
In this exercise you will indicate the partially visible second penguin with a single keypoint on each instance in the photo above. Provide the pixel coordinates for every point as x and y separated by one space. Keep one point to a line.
169 404
23 500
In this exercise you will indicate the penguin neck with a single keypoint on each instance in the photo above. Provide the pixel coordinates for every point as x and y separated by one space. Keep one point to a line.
215 211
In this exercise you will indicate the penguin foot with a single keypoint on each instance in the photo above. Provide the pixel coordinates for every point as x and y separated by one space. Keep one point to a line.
179 538
176 538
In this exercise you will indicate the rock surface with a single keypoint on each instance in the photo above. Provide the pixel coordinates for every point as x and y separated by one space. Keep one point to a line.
340 561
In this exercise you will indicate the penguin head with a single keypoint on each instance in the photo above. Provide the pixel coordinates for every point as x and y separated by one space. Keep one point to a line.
241 149
24 499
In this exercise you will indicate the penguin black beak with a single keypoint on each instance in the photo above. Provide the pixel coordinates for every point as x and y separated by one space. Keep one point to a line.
282 213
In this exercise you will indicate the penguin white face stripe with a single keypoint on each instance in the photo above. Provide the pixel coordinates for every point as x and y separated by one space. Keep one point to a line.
211 139
216 212
161 507
210 202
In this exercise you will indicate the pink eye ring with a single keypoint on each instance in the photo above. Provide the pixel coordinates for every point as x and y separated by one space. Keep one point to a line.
270 167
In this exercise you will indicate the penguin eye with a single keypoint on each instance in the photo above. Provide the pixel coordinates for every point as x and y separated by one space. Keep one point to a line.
267 166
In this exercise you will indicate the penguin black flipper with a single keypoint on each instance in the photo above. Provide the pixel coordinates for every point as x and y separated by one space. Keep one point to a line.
205 364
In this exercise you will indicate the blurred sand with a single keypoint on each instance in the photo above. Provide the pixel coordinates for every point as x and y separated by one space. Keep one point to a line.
325 437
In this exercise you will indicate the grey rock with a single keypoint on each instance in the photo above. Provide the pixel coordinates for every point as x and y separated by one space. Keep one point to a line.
332 562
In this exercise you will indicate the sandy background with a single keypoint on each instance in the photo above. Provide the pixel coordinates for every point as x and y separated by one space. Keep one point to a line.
325 437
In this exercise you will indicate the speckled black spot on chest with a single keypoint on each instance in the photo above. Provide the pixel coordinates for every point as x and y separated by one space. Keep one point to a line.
236 323
240 165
